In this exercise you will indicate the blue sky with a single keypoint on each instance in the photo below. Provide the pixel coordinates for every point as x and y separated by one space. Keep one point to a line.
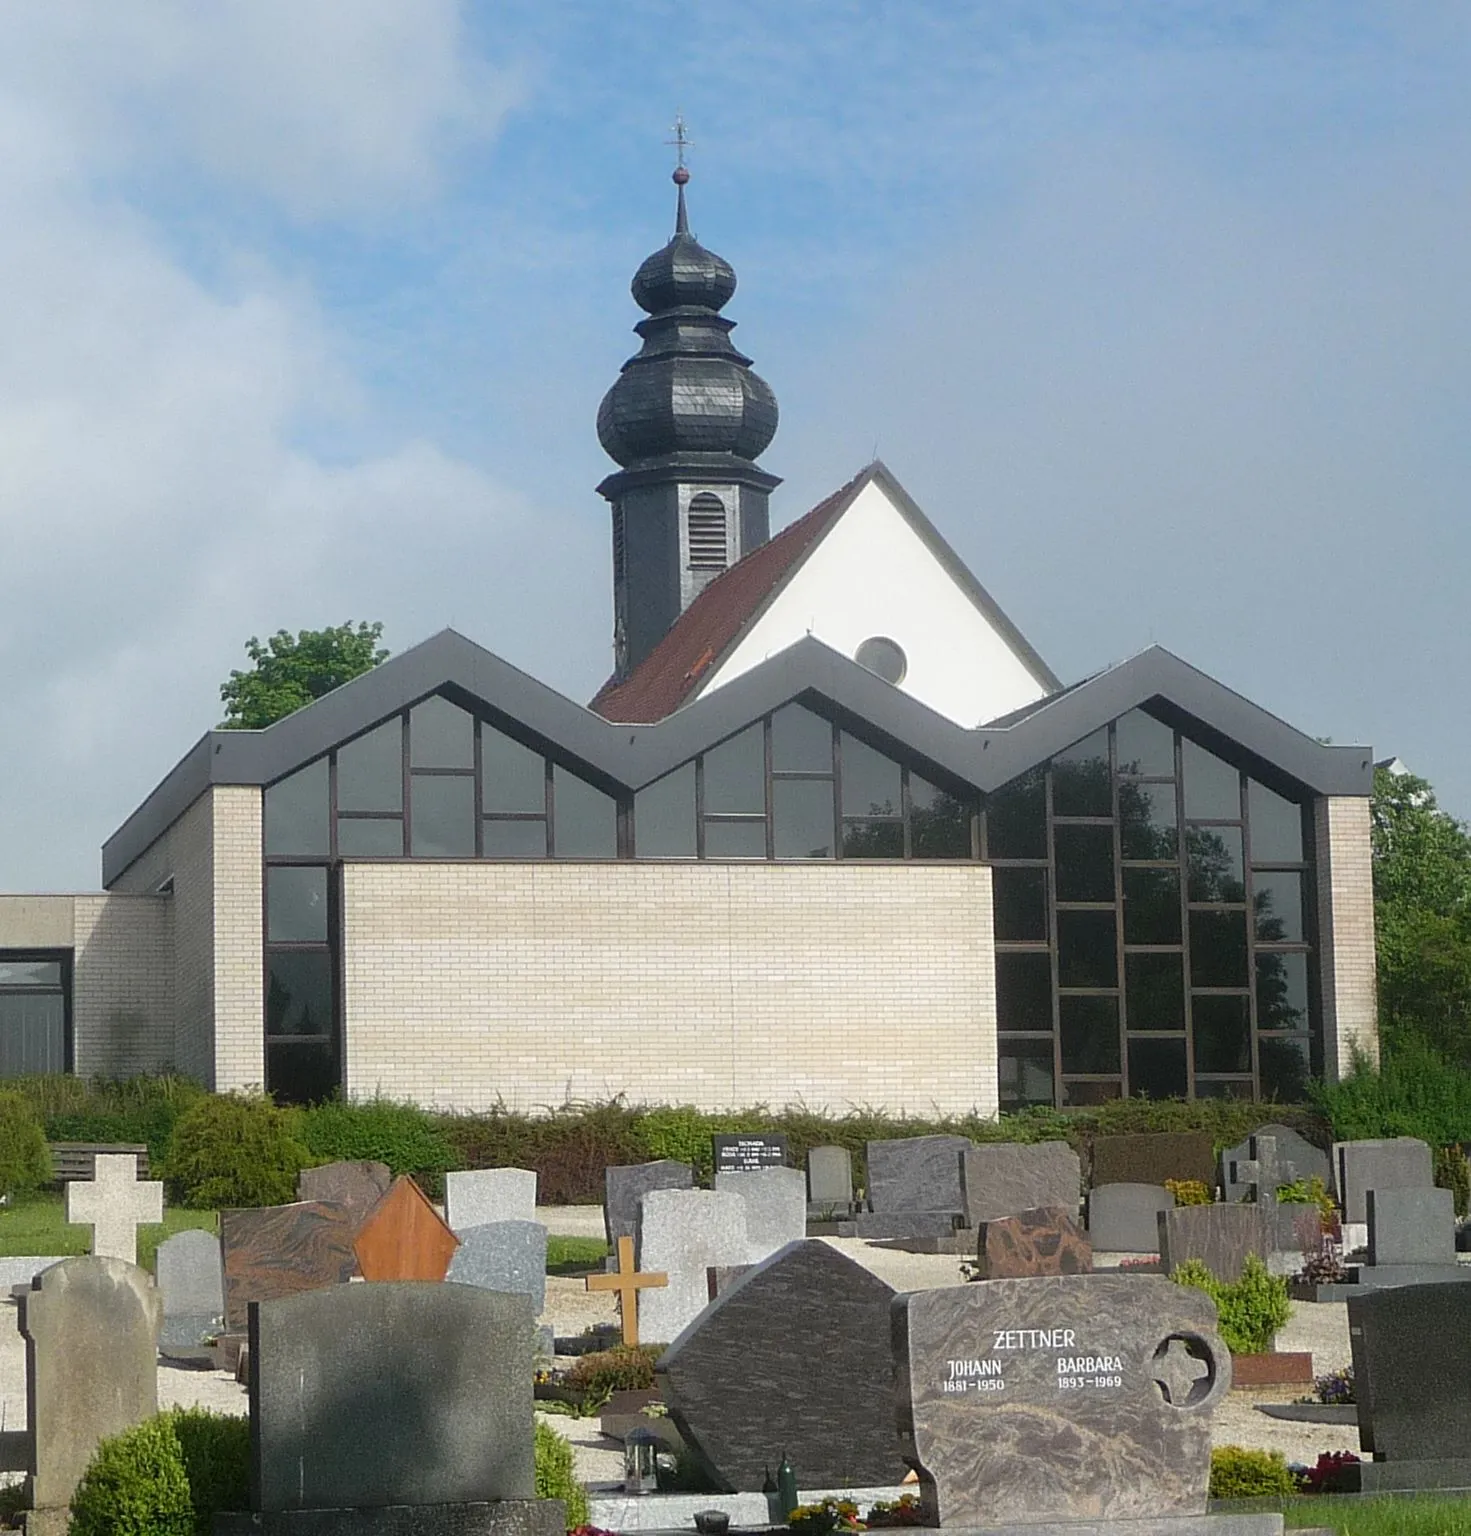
1159 311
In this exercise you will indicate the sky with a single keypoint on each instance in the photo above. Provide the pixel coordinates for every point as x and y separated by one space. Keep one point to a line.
1160 312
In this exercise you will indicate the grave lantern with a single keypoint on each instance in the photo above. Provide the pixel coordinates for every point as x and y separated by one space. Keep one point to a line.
640 1461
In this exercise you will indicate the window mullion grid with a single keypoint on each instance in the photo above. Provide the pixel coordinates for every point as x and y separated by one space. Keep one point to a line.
766 747
549 784
1121 970
1057 1094
1182 867
1249 885
700 806
408 784
479 790
906 812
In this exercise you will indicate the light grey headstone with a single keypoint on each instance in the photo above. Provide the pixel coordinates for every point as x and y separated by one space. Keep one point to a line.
399 1392
1412 1226
1270 1156
683 1233
1124 1218
1400 1162
625 1184
114 1204
504 1256
776 1207
191 1285
484 1195
830 1179
91 1330
916 1173
1001 1179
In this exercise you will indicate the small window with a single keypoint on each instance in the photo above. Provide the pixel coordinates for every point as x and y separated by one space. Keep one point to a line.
883 657
709 549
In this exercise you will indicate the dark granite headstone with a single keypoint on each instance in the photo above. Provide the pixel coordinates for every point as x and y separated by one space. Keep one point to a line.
1154 1157
1412 1226
273 1251
1124 1218
1005 1178
1042 1242
1220 1236
357 1185
916 1173
830 1181
1402 1162
625 1184
1253 1169
748 1151
1060 1398
793 1358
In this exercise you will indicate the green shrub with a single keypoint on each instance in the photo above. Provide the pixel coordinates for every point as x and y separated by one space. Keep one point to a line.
408 1139
1189 1192
25 1164
126 1110
1415 1092
135 1486
233 1150
1453 1173
216 1452
1237 1473
555 1478
1251 1309
1308 1192
623 1368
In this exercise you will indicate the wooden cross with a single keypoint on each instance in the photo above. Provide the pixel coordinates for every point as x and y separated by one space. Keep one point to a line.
628 1283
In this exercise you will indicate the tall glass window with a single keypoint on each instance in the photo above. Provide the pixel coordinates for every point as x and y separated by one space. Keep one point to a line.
35 1012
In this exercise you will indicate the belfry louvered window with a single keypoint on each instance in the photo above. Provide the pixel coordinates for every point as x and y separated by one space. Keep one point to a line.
709 550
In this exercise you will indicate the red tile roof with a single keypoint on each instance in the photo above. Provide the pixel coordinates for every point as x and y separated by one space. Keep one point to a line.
706 631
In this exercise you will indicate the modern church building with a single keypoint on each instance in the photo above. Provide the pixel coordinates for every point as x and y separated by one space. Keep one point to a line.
817 838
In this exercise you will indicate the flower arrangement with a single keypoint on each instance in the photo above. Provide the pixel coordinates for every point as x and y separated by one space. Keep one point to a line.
902 1511
828 1516
1335 1387
1312 1479
1189 1192
1309 1192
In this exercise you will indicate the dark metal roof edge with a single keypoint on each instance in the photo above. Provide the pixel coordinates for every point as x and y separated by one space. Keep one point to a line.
184 783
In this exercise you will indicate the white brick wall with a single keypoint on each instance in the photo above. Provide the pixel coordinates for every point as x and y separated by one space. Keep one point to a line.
123 986
708 984
1346 926
239 964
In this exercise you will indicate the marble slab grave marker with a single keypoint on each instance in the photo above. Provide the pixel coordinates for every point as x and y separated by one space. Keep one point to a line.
1271 1156
1400 1162
1220 1236
776 1207
1047 1241
191 1287
1064 1397
916 1173
271 1251
404 1237
625 1184
792 1358
1006 1178
504 1256
830 1180
114 1204
1123 1218
682 1233
1153 1158
358 1185
480 1196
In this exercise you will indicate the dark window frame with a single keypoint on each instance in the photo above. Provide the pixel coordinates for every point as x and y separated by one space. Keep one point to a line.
65 959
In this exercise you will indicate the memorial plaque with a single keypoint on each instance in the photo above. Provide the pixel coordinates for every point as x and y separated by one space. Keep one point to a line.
1076 1397
1154 1157
272 1251
916 1173
1041 1242
1006 1178
358 1185
747 1151
1220 1236
1401 1162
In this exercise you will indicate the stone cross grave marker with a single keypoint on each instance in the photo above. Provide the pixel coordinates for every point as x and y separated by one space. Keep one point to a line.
627 1282
1271 1156
114 1204
404 1237
479 1196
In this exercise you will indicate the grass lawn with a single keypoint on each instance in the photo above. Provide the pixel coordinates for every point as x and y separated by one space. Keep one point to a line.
34 1225
1411 1515
575 1255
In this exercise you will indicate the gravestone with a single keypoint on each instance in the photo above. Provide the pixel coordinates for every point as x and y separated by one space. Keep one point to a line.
482 1196
1412 1240
791 1359
114 1204
829 1181
1005 1178
393 1408
1271 1156
91 1331
1402 1162
506 1256
1074 1397
1124 1218
272 1251
776 1207
1047 1241
191 1287
625 1184
682 1233
1153 1158
404 1237
747 1151
357 1185
916 1173
1220 1236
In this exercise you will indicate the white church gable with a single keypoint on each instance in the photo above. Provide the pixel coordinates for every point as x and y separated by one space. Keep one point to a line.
873 576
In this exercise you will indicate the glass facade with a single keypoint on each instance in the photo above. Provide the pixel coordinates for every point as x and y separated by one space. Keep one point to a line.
35 1012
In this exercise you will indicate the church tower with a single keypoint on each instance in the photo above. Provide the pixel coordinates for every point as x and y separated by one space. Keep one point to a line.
685 422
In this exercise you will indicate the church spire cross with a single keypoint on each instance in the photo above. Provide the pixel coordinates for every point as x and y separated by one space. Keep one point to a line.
680 142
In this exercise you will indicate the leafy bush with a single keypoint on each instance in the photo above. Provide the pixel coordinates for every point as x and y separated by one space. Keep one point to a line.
1452 1172
127 1110
408 1139
25 1164
1189 1192
1308 1192
1251 1309
1415 1092
555 1478
1237 1473
624 1368
233 1150
216 1452
135 1486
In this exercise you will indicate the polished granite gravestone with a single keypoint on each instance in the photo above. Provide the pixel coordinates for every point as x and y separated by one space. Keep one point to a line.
1153 1158
480 1196
272 1251
1124 1218
191 1286
1047 1241
404 1237
1072 1397
506 1256
1220 1236
748 1151
1005 1178
358 1185
1401 1162
683 1233
829 1181
91 1331
791 1360
1271 1156
393 1408
916 1173
625 1184
1412 1241
776 1207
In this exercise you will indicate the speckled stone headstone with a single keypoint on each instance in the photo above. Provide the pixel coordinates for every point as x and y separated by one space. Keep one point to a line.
916 1173
1271 1156
776 1207
793 1357
1005 1178
357 1185
1220 1236
1067 1398
682 1233
1123 1218
191 1285
830 1180
1401 1162
272 1251
504 1256
1412 1226
480 1196
625 1184
1041 1242
1154 1157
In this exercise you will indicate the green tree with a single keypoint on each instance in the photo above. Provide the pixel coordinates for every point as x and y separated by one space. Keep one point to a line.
292 670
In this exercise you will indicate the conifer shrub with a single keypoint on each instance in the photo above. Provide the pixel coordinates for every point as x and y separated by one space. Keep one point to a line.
1237 1473
135 1485
555 1477
408 1139
216 1453
1251 1309
234 1149
25 1162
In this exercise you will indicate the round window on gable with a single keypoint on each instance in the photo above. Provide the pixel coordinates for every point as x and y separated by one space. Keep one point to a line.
885 657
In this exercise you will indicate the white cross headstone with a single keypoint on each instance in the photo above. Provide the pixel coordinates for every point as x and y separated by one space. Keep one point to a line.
114 1204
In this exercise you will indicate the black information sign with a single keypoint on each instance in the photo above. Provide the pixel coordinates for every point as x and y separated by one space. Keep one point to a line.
748 1150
